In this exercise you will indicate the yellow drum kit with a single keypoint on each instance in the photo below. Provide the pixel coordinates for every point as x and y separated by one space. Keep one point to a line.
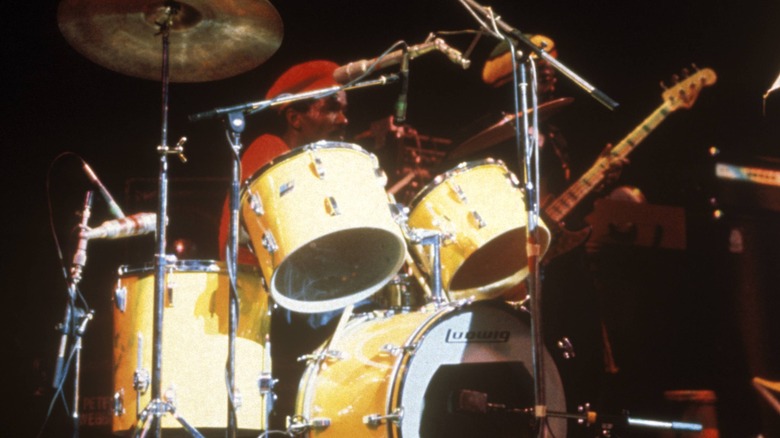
327 235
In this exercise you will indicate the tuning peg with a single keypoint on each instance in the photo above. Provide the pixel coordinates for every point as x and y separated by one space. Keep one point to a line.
663 86
685 72
675 79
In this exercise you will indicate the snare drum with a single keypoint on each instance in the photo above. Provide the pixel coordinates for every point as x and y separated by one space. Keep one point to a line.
479 209
320 224
410 374
194 344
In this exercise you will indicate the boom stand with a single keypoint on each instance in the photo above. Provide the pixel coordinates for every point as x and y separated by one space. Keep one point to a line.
157 407
76 319
528 155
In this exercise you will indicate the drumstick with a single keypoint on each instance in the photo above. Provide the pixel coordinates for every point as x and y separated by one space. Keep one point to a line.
402 182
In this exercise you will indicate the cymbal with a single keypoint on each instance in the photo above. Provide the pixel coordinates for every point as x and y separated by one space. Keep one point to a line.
504 129
208 40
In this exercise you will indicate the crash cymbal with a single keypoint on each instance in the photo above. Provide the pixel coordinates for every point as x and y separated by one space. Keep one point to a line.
504 129
209 39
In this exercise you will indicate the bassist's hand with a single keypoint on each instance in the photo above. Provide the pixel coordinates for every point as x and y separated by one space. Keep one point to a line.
614 169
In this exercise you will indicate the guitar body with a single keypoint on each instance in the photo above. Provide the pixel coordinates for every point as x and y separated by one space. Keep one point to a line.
565 240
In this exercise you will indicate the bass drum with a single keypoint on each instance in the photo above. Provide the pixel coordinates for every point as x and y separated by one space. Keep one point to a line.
406 375
194 347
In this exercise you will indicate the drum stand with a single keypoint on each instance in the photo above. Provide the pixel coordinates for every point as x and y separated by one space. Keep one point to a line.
150 417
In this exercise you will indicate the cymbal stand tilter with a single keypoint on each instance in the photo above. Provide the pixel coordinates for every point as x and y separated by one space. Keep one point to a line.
151 415
75 321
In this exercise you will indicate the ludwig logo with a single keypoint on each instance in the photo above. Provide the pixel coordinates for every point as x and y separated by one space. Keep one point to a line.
483 336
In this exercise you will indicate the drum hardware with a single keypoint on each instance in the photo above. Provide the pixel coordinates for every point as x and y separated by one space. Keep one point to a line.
433 240
298 425
322 356
375 420
394 350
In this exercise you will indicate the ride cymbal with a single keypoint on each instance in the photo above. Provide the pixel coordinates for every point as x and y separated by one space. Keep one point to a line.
504 129
209 39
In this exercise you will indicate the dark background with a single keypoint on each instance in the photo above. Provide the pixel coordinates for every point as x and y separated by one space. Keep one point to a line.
699 318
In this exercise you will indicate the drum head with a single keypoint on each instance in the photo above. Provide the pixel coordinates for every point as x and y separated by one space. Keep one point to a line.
337 269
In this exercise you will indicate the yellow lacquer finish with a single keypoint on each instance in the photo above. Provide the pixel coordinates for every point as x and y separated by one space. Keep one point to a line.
194 343
480 211
360 382
323 204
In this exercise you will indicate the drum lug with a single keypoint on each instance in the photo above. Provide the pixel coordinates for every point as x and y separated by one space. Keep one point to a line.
120 298
478 218
458 191
286 187
512 179
319 169
269 243
378 172
119 403
298 425
256 203
331 206
395 350
322 356
375 420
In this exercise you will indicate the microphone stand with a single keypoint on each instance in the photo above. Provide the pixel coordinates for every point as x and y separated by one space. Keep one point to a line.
529 159
75 321
235 123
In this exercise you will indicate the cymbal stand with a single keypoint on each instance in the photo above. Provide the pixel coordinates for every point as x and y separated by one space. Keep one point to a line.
151 416
75 322
527 148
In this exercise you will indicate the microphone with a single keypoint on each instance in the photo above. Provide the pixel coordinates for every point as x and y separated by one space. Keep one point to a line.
133 225
113 207
353 70
400 104
79 260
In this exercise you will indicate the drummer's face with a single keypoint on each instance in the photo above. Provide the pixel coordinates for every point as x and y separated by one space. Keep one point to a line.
325 119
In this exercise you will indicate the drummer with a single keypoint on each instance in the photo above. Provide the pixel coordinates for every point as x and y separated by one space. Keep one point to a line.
296 124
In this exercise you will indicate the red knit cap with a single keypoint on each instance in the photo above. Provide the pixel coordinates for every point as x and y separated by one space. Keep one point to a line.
308 76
